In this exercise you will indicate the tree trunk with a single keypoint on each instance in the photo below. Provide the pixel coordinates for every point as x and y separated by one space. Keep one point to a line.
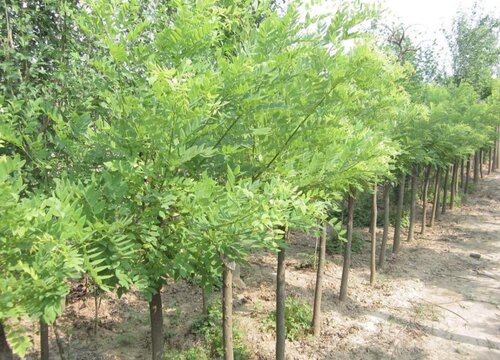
280 307
445 189
467 172
347 249
435 202
413 207
498 149
5 350
489 161
454 175
399 213
316 321
385 235
497 162
462 173
424 199
156 317
373 231
494 157
481 162
476 167
227 310
44 341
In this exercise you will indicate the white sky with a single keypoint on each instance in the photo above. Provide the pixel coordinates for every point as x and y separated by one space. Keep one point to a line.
433 14
429 17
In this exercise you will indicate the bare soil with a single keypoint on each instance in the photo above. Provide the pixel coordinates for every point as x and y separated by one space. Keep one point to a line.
432 301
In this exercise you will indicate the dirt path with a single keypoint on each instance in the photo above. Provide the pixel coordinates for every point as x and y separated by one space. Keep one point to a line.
466 290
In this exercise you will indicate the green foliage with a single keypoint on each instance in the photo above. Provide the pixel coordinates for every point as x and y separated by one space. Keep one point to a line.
210 328
145 141
473 42
336 245
196 353
298 317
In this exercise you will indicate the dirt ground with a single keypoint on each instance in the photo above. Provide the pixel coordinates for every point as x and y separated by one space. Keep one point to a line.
432 301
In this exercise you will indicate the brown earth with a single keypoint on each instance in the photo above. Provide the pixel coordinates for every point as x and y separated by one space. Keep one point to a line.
434 301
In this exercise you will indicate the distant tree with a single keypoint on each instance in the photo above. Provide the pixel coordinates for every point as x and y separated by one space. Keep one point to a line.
474 46
399 39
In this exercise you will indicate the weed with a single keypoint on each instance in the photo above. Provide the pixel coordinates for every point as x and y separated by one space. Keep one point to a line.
308 262
210 328
298 318
196 353
335 245
175 316
125 339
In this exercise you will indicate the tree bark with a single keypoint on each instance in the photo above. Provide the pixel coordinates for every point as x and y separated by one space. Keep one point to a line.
5 350
413 203
467 173
227 310
156 317
454 175
489 161
445 189
399 213
316 321
373 231
385 235
497 162
435 203
424 199
494 157
347 249
462 173
481 162
280 307
44 341
476 167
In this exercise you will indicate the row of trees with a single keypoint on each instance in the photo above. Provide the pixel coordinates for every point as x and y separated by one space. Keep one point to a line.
146 141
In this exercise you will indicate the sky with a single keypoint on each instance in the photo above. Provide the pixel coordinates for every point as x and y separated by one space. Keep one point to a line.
429 17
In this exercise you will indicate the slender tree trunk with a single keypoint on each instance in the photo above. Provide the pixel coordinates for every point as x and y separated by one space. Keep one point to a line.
59 342
5 350
435 203
497 162
476 167
399 213
481 163
385 235
280 307
44 341
424 199
495 157
413 203
445 190
156 317
489 161
316 321
454 175
467 172
373 230
347 249
438 203
227 310
462 184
